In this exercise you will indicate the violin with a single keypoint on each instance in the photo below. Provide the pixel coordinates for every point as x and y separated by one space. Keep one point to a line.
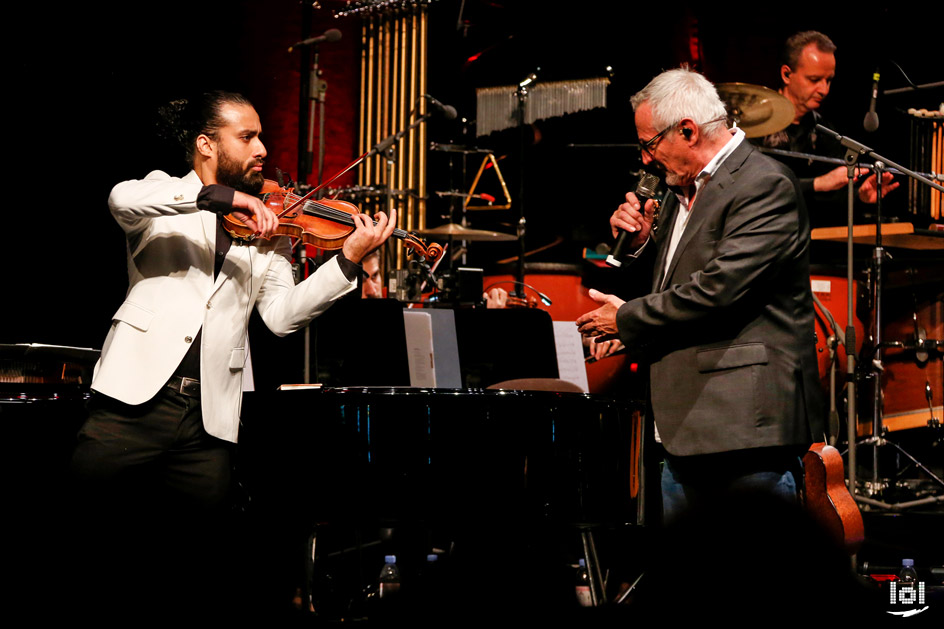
324 223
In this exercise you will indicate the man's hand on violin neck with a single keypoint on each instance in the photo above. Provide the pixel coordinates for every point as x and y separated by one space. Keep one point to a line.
367 236
254 213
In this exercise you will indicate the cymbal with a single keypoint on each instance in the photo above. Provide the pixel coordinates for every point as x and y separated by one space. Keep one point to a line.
458 232
756 109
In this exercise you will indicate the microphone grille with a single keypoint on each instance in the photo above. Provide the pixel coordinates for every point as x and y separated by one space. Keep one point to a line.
648 186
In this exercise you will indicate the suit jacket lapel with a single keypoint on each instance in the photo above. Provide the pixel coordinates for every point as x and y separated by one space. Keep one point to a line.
232 257
208 219
706 199
703 200
235 254
230 264
666 224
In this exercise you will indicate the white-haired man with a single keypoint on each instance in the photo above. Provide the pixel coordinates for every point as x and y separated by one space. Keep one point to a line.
728 326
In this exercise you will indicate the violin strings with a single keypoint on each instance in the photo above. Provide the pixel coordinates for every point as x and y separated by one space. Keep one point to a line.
326 211
344 218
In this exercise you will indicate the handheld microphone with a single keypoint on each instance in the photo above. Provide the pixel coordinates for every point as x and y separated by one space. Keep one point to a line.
647 188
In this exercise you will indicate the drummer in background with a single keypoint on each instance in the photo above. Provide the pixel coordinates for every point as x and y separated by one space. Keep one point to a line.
807 71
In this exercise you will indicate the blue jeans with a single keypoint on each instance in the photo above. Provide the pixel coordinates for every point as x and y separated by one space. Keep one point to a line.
690 482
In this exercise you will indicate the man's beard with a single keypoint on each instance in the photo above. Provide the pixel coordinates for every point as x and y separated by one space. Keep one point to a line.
231 173
656 168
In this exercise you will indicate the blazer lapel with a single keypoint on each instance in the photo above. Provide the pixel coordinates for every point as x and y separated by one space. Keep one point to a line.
208 219
234 259
703 200
706 199
666 224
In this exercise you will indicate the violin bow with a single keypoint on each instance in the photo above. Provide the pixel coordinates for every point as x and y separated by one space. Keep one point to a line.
326 183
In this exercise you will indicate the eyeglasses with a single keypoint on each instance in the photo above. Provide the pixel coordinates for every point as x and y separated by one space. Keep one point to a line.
649 145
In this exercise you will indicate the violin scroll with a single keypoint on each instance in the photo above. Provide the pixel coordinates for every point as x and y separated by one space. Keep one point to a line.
416 245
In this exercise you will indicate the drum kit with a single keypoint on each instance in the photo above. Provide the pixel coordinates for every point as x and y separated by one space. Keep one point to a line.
900 360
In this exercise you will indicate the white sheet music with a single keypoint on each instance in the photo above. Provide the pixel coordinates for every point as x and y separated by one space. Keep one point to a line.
570 360
419 343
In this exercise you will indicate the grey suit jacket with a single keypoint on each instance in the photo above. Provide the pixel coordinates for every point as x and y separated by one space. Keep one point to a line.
730 337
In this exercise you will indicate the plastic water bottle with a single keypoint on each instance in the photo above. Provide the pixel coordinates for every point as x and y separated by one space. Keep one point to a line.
908 575
582 585
907 590
389 577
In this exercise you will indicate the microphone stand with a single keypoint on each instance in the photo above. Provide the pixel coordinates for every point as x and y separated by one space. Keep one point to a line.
312 93
319 90
521 114
833 341
389 141
308 86
386 148
853 151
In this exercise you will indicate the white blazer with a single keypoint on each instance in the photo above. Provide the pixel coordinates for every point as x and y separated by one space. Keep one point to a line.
172 294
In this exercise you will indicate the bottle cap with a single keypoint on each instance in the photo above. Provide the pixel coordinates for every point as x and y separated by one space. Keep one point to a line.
390 559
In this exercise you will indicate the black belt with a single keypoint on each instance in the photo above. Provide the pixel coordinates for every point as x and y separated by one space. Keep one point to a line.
185 386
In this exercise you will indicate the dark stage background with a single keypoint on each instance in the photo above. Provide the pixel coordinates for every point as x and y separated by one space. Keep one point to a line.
86 81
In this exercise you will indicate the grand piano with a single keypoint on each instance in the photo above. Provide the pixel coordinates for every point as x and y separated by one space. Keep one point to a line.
474 476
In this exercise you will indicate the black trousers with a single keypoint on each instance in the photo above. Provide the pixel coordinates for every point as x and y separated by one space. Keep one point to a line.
159 446
149 505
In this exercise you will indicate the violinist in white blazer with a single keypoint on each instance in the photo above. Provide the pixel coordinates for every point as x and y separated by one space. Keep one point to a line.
167 389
